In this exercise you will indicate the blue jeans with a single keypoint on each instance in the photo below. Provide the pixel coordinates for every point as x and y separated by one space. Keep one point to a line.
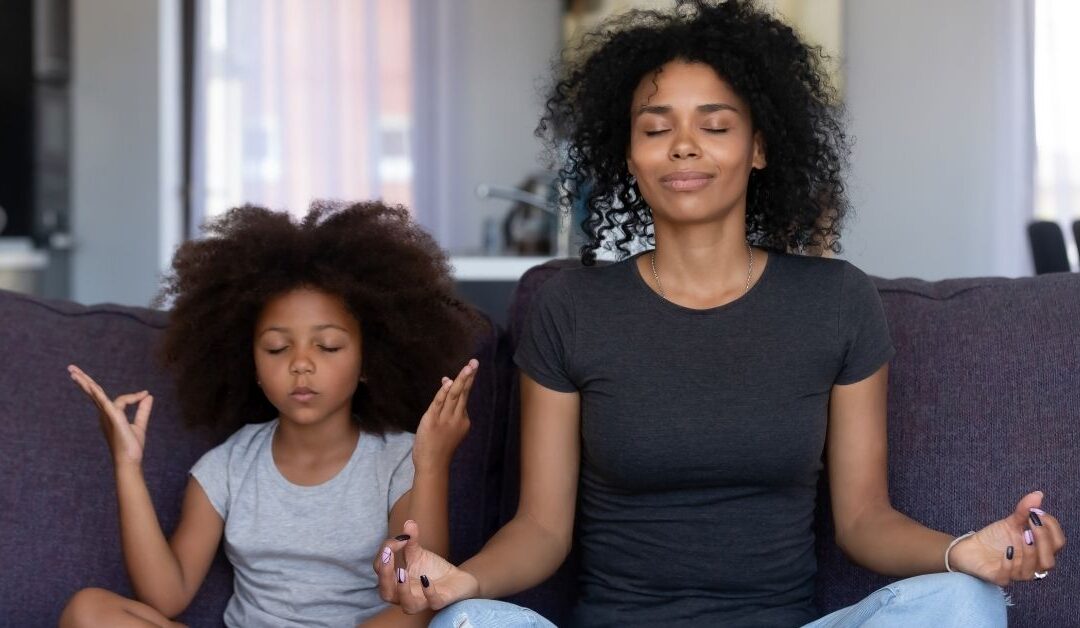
942 600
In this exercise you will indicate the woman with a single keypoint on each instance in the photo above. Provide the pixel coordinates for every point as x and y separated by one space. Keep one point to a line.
678 403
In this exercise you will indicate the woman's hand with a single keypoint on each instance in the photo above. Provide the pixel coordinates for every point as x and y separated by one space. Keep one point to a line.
416 579
126 439
445 423
1013 548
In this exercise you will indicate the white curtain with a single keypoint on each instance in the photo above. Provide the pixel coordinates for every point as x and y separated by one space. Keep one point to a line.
1057 126
297 100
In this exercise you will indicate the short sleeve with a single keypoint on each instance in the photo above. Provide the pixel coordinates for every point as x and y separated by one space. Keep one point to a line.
211 472
547 336
401 479
863 331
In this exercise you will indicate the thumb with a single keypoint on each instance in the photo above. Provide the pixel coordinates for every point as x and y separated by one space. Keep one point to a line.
1019 517
413 549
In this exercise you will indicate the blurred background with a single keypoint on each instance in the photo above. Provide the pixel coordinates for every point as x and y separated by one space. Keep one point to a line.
124 124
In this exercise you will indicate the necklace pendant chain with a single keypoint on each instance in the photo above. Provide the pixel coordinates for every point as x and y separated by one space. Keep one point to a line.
660 286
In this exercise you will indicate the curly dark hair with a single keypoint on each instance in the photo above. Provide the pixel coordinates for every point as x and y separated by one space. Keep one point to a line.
391 275
797 203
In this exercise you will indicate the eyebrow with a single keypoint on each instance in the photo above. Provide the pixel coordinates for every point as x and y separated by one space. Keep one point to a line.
321 327
666 109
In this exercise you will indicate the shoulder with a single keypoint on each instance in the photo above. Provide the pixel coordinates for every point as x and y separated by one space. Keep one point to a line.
824 275
250 436
243 444
580 282
392 445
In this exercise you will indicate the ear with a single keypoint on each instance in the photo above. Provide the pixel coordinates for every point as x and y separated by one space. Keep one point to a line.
630 167
759 162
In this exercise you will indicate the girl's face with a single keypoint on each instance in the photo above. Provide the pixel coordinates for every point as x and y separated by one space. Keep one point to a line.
692 144
308 356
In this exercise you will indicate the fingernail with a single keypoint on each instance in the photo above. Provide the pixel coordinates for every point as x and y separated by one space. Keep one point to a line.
386 554
401 575
402 537
1029 538
1037 511
1035 518
425 582
1008 553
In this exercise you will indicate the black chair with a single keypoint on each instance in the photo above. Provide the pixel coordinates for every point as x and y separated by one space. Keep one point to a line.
1076 235
1048 247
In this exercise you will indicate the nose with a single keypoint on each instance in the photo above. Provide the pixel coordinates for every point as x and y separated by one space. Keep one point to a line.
302 366
684 146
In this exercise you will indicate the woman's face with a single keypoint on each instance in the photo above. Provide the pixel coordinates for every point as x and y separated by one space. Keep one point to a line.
692 144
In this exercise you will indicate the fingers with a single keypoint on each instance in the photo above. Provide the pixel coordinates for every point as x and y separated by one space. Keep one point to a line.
384 565
439 400
1019 516
142 414
412 548
436 600
1048 539
459 399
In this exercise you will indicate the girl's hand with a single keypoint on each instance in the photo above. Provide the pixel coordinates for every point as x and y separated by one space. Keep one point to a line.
1034 537
445 423
404 567
126 439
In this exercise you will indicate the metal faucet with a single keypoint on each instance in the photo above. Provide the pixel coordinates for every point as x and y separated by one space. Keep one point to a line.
562 218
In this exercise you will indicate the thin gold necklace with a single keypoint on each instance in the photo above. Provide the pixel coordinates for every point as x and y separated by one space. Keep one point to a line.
660 286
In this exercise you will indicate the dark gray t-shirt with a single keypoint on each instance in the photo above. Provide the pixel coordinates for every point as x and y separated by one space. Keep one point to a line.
702 434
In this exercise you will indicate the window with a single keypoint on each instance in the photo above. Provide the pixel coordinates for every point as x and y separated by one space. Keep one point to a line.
297 100
1057 129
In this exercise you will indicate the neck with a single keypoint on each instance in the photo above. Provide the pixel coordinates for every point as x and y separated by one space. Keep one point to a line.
701 266
336 432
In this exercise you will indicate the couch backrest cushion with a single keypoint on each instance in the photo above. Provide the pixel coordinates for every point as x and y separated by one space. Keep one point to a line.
984 407
58 528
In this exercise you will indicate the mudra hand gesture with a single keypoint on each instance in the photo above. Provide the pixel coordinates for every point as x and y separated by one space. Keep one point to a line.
1022 546
416 579
126 439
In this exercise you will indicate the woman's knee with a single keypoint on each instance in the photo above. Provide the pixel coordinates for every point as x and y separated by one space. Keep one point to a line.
972 592
479 613
957 599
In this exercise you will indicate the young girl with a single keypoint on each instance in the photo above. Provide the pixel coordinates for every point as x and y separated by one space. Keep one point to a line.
341 327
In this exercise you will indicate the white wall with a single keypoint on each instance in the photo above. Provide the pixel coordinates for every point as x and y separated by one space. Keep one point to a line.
125 136
939 100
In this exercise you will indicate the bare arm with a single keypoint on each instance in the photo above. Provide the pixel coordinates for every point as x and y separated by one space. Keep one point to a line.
868 529
532 545
164 575
875 535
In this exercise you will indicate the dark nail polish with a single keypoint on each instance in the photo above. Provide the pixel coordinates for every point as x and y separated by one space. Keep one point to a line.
402 537
401 575
1009 552
1035 519
425 582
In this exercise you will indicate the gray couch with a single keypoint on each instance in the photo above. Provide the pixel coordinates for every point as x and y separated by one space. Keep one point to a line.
984 406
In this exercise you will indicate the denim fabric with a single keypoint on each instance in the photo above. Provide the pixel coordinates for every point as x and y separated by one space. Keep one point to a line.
942 600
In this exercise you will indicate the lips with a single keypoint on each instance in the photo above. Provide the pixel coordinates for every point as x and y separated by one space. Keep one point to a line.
684 180
302 393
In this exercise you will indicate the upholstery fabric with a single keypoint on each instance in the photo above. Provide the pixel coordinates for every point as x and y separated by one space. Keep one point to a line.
58 519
